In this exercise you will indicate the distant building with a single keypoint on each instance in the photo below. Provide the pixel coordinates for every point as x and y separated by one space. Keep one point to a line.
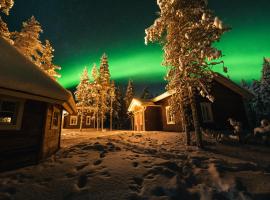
73 121
31 105
155 114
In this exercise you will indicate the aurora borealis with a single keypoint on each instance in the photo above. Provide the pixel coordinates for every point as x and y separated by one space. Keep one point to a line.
81 31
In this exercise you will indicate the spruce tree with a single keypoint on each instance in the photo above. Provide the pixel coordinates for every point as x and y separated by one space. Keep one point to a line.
6 5
82 95
46 63
265 87
104 76
4 32
112 100
128 98
118 108
146 94
187 29
27 40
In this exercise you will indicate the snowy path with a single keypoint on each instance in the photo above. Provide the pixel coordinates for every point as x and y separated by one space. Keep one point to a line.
135 166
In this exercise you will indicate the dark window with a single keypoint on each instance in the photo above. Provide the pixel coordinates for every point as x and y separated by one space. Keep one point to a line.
55 119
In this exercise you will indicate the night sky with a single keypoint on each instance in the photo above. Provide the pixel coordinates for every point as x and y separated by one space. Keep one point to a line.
82 30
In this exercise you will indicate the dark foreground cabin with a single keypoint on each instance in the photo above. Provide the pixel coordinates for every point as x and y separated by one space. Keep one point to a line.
31 105
155 114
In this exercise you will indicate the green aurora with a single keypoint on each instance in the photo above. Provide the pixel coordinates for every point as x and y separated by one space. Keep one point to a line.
243 47
81 31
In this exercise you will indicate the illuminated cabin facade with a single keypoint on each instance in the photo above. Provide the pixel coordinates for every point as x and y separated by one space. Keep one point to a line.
31 105
73 121
155 114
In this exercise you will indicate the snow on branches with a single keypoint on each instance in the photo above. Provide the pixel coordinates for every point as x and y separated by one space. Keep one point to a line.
187 31
6 5
96 95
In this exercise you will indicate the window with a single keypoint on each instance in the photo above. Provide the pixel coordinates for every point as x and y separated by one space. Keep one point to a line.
55 119
169 115
207 114
73 120
11 111
88 120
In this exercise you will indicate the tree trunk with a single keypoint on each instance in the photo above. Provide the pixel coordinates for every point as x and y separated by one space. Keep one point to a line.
111 112
97 121
102 120
94 120
195 118
81 122
184 120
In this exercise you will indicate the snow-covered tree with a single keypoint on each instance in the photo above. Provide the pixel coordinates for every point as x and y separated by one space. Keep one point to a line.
46 63
82 95
104 77
95 92
6 5
112 100
27 40
128 98
4 32
187 29
129 93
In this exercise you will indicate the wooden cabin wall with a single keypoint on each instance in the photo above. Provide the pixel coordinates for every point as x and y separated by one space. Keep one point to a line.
177 127
153 120
52 136
21 147
68 126
227 104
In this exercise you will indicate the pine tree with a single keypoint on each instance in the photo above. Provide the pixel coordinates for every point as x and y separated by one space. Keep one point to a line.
95 91
129 93
4 32
118 108
82 95
46 63
188 29
128 98
265 87
104 76
112 100
27 41
6 5
146 94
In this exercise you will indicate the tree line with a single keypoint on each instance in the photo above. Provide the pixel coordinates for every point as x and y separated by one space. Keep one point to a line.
97 96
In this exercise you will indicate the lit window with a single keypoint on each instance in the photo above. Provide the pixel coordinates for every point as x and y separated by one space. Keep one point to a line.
10 113
207 114
88 120
55 119
73 120
169 115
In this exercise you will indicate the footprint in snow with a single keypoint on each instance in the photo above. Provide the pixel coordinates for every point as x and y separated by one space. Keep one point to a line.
135 164
97 162
82 181
136 184
79 167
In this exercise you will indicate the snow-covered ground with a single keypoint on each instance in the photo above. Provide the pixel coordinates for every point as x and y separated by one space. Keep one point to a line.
141 166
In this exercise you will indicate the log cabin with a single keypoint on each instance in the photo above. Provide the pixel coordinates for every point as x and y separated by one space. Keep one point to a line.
230 102
31 105
73 121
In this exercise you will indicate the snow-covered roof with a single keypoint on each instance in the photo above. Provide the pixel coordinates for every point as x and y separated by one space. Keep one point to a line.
139 103
220 79
21 78
233 86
